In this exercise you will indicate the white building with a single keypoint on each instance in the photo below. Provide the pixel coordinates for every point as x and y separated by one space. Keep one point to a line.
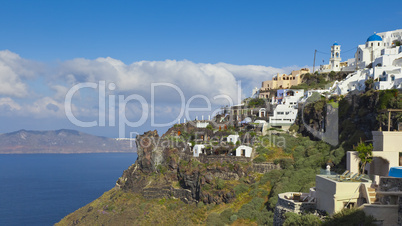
309 93
335 59
285 112
244 150
255 92
377 45
198 149
232 138
378 59
202 124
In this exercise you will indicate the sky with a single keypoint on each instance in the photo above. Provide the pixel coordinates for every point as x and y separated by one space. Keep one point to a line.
109 54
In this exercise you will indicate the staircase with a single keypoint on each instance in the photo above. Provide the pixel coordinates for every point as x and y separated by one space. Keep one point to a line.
372 196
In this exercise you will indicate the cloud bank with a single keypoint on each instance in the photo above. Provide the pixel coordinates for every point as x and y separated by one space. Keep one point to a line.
21 95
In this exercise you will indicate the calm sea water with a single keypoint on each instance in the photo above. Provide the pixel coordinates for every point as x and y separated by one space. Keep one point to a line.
40 189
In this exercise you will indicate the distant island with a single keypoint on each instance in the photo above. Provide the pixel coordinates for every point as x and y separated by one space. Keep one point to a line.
62 141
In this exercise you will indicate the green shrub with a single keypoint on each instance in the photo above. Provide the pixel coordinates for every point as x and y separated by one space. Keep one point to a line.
225 215
172 206
285 163
252 209
200 204
350 217
220 183
297 219
260 159
272 176
265 217
233 218
241 188
215 220
256 102
262 193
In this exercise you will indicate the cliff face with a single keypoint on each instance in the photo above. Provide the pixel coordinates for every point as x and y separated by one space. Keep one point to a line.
358 115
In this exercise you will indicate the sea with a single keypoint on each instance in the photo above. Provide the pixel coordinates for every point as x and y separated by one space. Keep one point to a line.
40 189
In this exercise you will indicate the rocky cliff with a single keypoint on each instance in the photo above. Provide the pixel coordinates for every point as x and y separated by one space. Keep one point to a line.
358 115
165 167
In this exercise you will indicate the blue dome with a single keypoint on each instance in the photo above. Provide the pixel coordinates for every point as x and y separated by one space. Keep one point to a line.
335 44
373 38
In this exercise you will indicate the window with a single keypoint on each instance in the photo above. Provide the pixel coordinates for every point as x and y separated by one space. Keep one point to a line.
378 44
349 205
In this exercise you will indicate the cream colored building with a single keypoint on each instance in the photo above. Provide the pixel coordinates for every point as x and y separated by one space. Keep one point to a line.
381 198
333 194
283 81
386 148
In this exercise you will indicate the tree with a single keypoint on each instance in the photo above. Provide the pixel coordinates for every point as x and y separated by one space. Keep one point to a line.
365 153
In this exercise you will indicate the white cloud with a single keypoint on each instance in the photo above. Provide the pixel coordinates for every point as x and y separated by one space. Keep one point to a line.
7 104
13 70
60 90
192 78
209 80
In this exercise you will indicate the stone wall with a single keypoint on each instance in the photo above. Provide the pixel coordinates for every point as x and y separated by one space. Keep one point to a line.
257 167
284 205
390 184
265 167
222 159
394 186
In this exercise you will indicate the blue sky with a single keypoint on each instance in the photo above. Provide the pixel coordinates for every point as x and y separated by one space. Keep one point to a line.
55 44
271 33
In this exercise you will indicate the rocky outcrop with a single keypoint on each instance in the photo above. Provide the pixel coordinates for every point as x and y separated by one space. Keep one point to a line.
359 114
167 192
166 168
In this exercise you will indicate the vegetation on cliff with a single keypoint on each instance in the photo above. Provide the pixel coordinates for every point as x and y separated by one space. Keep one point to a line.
319 80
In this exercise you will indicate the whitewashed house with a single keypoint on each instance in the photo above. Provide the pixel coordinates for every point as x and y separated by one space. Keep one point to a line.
198 149
202 124
379 59
262 113
244 150
232 138
283 114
